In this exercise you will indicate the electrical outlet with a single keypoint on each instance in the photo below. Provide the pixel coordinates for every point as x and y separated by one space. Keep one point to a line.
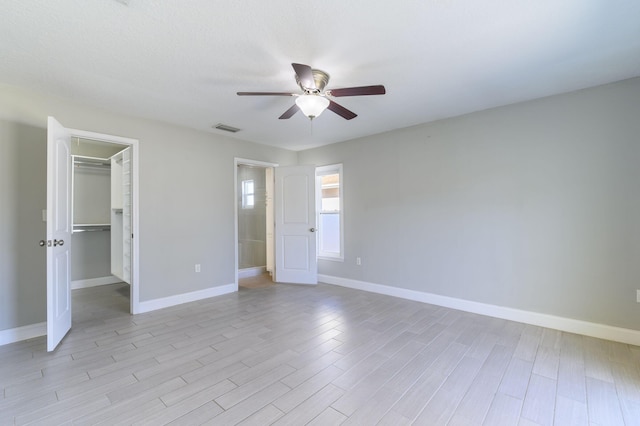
197 267
638 296
358 261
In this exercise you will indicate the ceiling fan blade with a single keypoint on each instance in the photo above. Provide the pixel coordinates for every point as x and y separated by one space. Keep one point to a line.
341 111
358 91
289 113
305 75
264 94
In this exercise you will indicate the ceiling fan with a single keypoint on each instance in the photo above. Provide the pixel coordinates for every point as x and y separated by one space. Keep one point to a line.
313 101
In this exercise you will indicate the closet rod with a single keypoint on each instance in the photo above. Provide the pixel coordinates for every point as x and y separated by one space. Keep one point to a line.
82 160
92 166
85 227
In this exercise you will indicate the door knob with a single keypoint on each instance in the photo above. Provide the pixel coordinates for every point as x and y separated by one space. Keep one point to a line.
313 229
42 243
58 243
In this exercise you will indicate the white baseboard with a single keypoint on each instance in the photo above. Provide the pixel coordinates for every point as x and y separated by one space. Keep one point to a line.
17 334
165 302
251 272
93 282
570 325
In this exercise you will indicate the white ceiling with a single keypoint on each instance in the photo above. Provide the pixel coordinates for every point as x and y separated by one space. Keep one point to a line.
183 61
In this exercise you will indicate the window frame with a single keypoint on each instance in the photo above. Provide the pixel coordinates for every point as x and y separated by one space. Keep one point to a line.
323 171
246 194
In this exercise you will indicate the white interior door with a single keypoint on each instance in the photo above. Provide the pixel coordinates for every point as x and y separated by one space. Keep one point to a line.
58 232
295 218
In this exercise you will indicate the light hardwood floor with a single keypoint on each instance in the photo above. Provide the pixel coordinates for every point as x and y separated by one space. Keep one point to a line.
319 355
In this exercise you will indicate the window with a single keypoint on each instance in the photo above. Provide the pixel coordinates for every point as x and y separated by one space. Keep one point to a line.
329 208
248 194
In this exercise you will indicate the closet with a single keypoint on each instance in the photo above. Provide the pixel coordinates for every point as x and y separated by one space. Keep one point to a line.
101 240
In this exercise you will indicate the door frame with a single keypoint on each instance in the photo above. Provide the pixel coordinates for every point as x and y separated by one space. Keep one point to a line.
134 294
236 162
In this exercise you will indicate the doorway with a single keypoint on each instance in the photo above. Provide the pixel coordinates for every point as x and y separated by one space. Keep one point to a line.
97 255
290 221
130 208
254 223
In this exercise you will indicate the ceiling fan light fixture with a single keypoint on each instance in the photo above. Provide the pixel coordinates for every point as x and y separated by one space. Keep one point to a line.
312 105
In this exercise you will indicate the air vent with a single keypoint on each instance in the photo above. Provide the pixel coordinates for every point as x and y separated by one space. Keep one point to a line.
226 128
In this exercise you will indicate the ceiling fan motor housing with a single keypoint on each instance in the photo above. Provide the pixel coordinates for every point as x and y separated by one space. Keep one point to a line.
321 79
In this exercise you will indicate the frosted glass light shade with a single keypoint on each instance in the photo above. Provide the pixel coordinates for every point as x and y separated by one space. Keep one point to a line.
312 105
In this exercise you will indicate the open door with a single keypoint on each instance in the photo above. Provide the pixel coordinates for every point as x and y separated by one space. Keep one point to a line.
58 232
295 218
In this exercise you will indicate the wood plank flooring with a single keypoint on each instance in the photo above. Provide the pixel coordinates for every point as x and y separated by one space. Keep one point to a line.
318 355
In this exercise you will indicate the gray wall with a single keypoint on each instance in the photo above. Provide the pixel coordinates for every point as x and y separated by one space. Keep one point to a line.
91 255
533 206
186 200
23 195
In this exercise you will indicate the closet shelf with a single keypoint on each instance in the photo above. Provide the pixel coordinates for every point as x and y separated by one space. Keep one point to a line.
91 227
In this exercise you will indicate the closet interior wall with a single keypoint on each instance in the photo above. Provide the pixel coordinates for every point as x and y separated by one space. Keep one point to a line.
91 238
